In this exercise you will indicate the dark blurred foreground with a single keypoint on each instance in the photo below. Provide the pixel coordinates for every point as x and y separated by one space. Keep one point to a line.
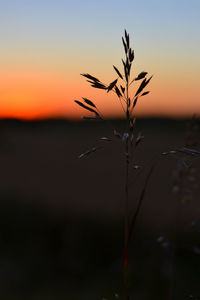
61 234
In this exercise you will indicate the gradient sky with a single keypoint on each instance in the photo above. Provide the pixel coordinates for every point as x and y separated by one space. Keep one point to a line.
46 44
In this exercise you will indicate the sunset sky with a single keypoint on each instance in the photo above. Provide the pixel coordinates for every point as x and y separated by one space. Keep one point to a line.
46 44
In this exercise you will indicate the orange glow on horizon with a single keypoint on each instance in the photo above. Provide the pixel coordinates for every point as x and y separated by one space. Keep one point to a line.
32 95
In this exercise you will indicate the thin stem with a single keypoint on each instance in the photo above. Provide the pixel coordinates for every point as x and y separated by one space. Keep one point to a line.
139 205
120 100
175 241
126 206
127 172
126 223
126 194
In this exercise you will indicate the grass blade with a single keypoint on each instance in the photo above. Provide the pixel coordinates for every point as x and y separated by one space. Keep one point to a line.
118 92
141 199
131 55
118 72
143 85
135 102
122 89
98 85
89 102
91 77
145 93
111 85
125 47
88 152
127 38
86 107
141 75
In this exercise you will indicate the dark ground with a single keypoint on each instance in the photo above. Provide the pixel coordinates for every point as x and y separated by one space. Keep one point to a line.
61 233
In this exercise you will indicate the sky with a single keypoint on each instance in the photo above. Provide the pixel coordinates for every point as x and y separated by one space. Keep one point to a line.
47 44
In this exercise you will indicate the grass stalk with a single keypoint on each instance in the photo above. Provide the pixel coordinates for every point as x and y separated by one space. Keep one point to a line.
128 138
126 265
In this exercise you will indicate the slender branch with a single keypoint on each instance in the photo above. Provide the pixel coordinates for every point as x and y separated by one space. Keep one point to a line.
139 205
126 212
127 171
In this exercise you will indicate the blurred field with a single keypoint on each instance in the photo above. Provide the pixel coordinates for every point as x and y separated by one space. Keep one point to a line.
61 218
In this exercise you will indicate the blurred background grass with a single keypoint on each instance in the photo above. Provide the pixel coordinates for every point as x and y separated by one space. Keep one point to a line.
61 233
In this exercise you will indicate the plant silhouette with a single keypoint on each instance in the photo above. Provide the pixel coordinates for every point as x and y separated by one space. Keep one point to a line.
121 87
